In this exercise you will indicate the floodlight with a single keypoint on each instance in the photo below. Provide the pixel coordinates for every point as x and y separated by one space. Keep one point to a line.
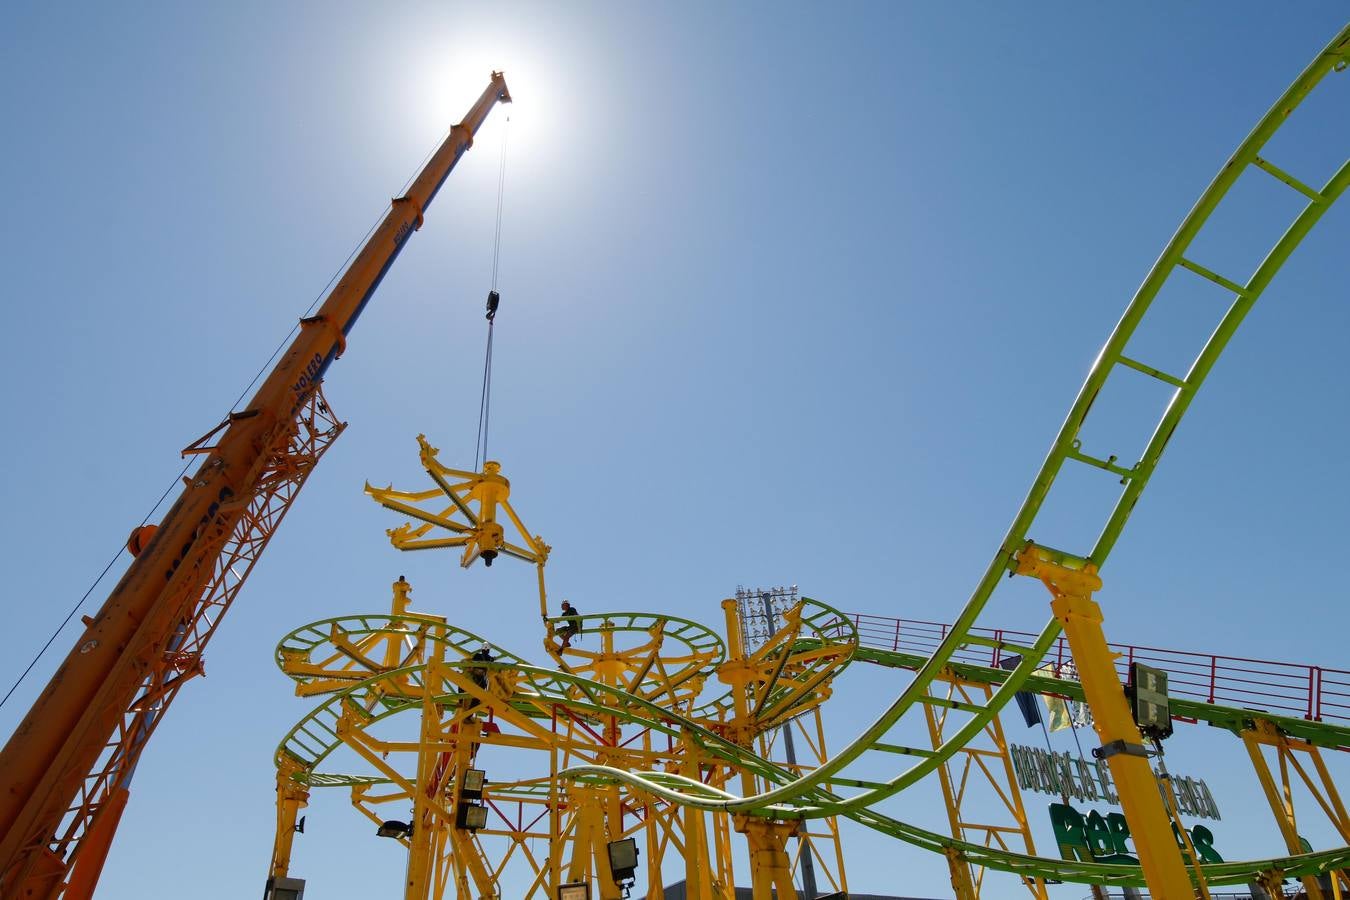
394 829
578 890
623 860
472 789
1147 692
281 888
471 816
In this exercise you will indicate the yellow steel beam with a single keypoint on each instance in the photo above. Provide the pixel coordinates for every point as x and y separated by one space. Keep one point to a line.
1081 617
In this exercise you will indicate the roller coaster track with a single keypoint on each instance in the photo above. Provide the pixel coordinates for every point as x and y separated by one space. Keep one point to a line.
806 796
1229 718
1305 702
539 692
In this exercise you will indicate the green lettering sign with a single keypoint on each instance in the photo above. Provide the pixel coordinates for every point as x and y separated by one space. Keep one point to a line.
1104 839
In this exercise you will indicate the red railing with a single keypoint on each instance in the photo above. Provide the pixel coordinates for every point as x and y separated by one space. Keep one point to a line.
1289 689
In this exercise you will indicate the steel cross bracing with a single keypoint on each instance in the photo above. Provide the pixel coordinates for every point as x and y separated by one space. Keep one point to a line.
804 796
1263 733
376 666
986 764
545 695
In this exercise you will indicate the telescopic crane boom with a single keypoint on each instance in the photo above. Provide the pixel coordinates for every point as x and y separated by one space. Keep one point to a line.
65 771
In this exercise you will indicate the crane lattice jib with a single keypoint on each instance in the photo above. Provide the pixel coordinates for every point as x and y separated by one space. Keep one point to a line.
65 770
806 792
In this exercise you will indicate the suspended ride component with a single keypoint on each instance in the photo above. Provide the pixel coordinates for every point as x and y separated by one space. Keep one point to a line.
481 533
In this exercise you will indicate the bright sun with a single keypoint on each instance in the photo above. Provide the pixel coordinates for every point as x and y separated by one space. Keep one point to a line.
444 84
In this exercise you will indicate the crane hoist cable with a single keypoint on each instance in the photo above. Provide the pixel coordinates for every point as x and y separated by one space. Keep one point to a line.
494 299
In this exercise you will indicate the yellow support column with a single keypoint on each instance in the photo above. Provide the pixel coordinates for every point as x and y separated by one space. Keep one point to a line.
770 868
292 796
698 877
556 804
425 823
962 884
590 846
724 884
655 883
468 857
1123 745
1280 804
737 673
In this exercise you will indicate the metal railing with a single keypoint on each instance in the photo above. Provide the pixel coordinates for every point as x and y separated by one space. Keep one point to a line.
1289 689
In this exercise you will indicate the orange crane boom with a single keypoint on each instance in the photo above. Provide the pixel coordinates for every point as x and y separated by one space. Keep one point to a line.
64 773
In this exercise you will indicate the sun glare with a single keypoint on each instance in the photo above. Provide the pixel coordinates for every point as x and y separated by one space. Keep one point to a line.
446 82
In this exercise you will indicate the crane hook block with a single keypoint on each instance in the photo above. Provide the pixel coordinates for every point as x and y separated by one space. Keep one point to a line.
493 301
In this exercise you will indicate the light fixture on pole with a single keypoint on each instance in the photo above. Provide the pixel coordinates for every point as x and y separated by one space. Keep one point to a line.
623 862
471 816
472 786
282 888
393 828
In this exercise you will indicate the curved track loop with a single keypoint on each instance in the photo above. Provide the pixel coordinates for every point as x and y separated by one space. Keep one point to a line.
664 659
310 654
816 643
804 794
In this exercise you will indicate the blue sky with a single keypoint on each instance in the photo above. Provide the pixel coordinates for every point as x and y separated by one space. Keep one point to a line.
791 293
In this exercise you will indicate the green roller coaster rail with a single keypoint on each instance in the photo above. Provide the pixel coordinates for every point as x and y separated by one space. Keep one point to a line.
696 636
314 738
1229 718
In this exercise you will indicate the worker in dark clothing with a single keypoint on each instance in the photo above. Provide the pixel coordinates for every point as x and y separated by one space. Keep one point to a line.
478 674
571 624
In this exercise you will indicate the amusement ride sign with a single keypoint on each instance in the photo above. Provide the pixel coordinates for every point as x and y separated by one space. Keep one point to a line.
1065 776
1098 838
1092 836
